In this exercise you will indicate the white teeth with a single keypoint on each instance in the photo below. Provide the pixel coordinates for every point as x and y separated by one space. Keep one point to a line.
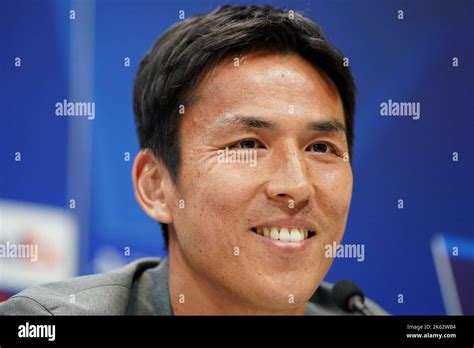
304 232
274 234
285 234
295 235
266 232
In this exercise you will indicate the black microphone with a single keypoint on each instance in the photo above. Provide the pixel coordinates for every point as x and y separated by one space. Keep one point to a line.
349 297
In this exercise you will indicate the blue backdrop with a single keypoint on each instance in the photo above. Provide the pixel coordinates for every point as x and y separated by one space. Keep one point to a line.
409 59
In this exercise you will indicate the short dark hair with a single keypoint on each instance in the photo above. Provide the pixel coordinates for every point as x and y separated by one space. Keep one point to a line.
170 72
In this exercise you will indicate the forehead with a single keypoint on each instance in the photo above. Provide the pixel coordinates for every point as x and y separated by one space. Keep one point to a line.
265 83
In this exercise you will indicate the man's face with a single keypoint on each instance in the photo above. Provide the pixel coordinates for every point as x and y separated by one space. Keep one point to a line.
292 117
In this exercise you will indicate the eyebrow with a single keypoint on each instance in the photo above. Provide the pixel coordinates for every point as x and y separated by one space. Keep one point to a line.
326 126
248 122
329 125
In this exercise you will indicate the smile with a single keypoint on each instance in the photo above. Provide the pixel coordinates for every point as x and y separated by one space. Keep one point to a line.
285 234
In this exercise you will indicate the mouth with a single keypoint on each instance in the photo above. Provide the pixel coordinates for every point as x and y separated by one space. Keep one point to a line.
292 235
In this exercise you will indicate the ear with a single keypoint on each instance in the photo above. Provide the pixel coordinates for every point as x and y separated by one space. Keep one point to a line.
151 183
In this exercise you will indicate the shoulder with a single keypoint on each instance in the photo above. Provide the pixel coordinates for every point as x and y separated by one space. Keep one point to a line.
321 303
101 294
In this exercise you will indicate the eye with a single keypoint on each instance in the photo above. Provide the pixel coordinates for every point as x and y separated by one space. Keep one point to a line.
322 148
246 144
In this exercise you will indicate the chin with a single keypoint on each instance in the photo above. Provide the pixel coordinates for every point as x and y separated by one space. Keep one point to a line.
282 303
281 295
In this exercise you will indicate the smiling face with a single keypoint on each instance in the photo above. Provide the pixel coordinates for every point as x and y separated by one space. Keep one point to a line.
290 116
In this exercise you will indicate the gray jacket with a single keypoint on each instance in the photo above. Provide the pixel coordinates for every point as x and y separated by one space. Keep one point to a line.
139 288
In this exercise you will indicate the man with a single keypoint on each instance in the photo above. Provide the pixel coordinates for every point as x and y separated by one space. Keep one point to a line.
245 122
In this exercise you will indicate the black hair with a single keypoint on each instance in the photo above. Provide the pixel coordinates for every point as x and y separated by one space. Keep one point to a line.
173 68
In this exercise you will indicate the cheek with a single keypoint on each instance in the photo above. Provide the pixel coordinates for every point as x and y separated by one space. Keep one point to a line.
215 198
337 182
334 194
342 190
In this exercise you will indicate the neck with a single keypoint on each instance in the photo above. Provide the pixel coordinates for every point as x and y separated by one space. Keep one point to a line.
194 293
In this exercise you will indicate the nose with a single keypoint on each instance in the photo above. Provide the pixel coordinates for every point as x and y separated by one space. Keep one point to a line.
289 180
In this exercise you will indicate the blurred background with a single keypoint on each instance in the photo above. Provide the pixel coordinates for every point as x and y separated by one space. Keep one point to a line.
65 182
